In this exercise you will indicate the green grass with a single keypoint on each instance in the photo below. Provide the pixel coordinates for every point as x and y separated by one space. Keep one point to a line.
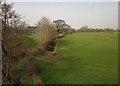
91 58
35 40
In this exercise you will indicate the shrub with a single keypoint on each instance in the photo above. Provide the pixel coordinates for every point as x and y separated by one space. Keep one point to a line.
47 32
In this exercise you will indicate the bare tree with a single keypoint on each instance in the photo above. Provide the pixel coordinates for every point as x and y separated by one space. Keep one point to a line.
12 44
47 31
9 17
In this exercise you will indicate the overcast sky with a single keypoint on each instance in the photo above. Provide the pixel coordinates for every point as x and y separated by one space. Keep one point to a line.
76 14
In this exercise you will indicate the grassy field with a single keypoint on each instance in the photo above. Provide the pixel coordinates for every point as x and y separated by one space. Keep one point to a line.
35 40
88 58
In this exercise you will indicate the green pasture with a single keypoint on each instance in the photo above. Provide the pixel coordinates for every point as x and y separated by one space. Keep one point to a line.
88 58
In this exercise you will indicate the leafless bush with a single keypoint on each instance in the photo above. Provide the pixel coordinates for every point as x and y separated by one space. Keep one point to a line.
47 31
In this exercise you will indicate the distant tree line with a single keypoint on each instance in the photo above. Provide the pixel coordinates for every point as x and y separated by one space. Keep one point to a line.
87 29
